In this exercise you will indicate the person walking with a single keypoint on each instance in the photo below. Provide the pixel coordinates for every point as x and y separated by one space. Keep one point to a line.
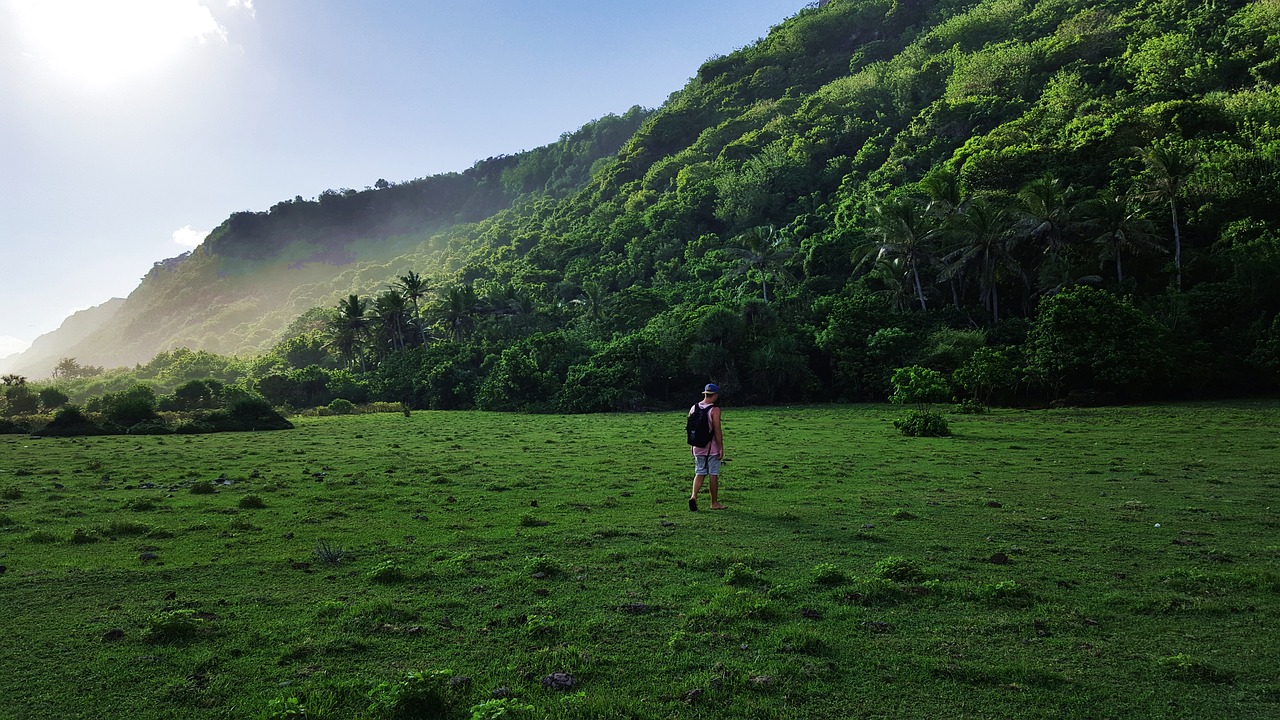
707 459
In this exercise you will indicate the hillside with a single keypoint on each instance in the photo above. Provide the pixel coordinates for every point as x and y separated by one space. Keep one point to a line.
258 271
1033 198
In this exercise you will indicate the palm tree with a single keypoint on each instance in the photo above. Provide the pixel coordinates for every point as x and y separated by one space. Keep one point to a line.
946 197
763 251
986 238
457 311
391 312
1168 170
1117 230
414 288
905 230
349 329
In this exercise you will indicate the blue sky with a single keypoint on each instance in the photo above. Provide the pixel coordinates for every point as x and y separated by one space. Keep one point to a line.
132 127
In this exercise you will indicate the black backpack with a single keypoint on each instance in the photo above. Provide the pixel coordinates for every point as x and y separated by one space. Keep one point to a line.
698 426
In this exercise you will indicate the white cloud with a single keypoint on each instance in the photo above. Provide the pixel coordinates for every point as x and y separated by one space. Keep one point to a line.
12 345
187 237
246 4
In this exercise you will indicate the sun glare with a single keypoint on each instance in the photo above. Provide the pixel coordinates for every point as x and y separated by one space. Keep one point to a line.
104 43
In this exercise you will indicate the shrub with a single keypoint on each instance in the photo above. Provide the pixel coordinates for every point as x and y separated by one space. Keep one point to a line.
150 427
740 574
130 407
1006 592
11 492
541 564
1186 667
175 626
70 421
342 406
897 569
387 572
416 695
923 423
6 521
203 487
828 574
251 502
118 528
42 537
502 709
81 536
329 554
52 398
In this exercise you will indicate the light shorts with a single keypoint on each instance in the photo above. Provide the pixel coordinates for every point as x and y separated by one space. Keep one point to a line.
706 464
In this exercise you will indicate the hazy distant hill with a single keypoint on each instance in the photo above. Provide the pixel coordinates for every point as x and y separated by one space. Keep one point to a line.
257 271
44 353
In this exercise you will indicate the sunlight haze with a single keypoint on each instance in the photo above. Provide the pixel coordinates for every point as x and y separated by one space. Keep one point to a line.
132 128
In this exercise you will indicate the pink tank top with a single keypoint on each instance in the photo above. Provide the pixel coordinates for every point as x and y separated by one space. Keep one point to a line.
712 448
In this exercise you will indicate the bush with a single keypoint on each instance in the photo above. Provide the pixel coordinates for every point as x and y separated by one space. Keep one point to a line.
342 406
897 569
502 709
70 421
828 574
150 427
740 574
176 626
203 487
252 502
923 423
130 407
416 695
387 572
52 398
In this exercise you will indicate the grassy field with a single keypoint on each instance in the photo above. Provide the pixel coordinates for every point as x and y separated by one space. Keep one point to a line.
1110 563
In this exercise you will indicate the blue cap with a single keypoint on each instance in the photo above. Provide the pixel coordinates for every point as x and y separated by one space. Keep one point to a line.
711 388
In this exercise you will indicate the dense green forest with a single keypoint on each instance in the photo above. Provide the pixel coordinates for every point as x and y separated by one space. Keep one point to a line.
1066 199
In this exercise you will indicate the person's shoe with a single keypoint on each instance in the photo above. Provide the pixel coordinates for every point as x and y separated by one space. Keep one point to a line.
693 504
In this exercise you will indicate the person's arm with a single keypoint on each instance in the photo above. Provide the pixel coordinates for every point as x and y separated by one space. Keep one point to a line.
718 431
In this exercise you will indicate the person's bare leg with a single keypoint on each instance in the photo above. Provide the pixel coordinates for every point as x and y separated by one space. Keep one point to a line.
714 487
697 487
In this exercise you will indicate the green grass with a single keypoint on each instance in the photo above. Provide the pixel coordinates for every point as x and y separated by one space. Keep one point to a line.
1118 563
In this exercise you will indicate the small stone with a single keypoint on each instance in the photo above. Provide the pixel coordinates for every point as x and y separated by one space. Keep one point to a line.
113 634
171 595
667 523
148 556
542 592
558 681
761 680
300 565
501 693
638 608
811 613
867 526
459 681
1000 559
533 503
878 627
994 504
539 576
692 696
